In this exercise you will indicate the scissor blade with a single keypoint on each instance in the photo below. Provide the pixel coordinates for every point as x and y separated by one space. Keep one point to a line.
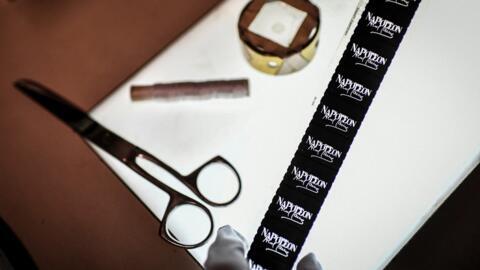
58 106
77 119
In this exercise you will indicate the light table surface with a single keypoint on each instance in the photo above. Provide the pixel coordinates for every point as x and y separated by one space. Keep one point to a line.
420 139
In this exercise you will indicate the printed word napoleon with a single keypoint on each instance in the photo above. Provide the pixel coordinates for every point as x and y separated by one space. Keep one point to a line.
308 181
322 150
293 212
352 89
255 266
367 58
337 120
382 26
277 244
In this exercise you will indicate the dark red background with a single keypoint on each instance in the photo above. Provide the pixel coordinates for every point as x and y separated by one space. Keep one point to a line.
67 207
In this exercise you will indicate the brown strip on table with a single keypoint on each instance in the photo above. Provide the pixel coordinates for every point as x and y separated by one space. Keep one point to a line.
181 90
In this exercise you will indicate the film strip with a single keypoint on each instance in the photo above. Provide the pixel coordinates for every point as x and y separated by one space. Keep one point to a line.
330 133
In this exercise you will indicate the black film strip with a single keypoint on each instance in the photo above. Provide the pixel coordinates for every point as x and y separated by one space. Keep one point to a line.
322 150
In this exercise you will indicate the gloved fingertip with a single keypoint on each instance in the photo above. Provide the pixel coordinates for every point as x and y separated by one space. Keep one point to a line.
228 230
227 251
309 262
311 256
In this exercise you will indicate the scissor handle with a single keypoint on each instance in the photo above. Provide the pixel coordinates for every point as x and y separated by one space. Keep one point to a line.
192 181
177 201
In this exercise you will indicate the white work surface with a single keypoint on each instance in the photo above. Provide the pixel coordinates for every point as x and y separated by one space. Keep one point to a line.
420 138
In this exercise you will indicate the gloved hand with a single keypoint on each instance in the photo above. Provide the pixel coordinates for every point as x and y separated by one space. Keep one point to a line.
228 253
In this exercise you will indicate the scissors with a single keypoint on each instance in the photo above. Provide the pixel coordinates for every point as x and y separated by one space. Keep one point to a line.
130 154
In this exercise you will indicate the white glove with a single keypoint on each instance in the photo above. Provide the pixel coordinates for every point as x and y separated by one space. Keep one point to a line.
228 253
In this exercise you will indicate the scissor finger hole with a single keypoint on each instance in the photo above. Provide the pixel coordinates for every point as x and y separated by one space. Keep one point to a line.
218 182
188 224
